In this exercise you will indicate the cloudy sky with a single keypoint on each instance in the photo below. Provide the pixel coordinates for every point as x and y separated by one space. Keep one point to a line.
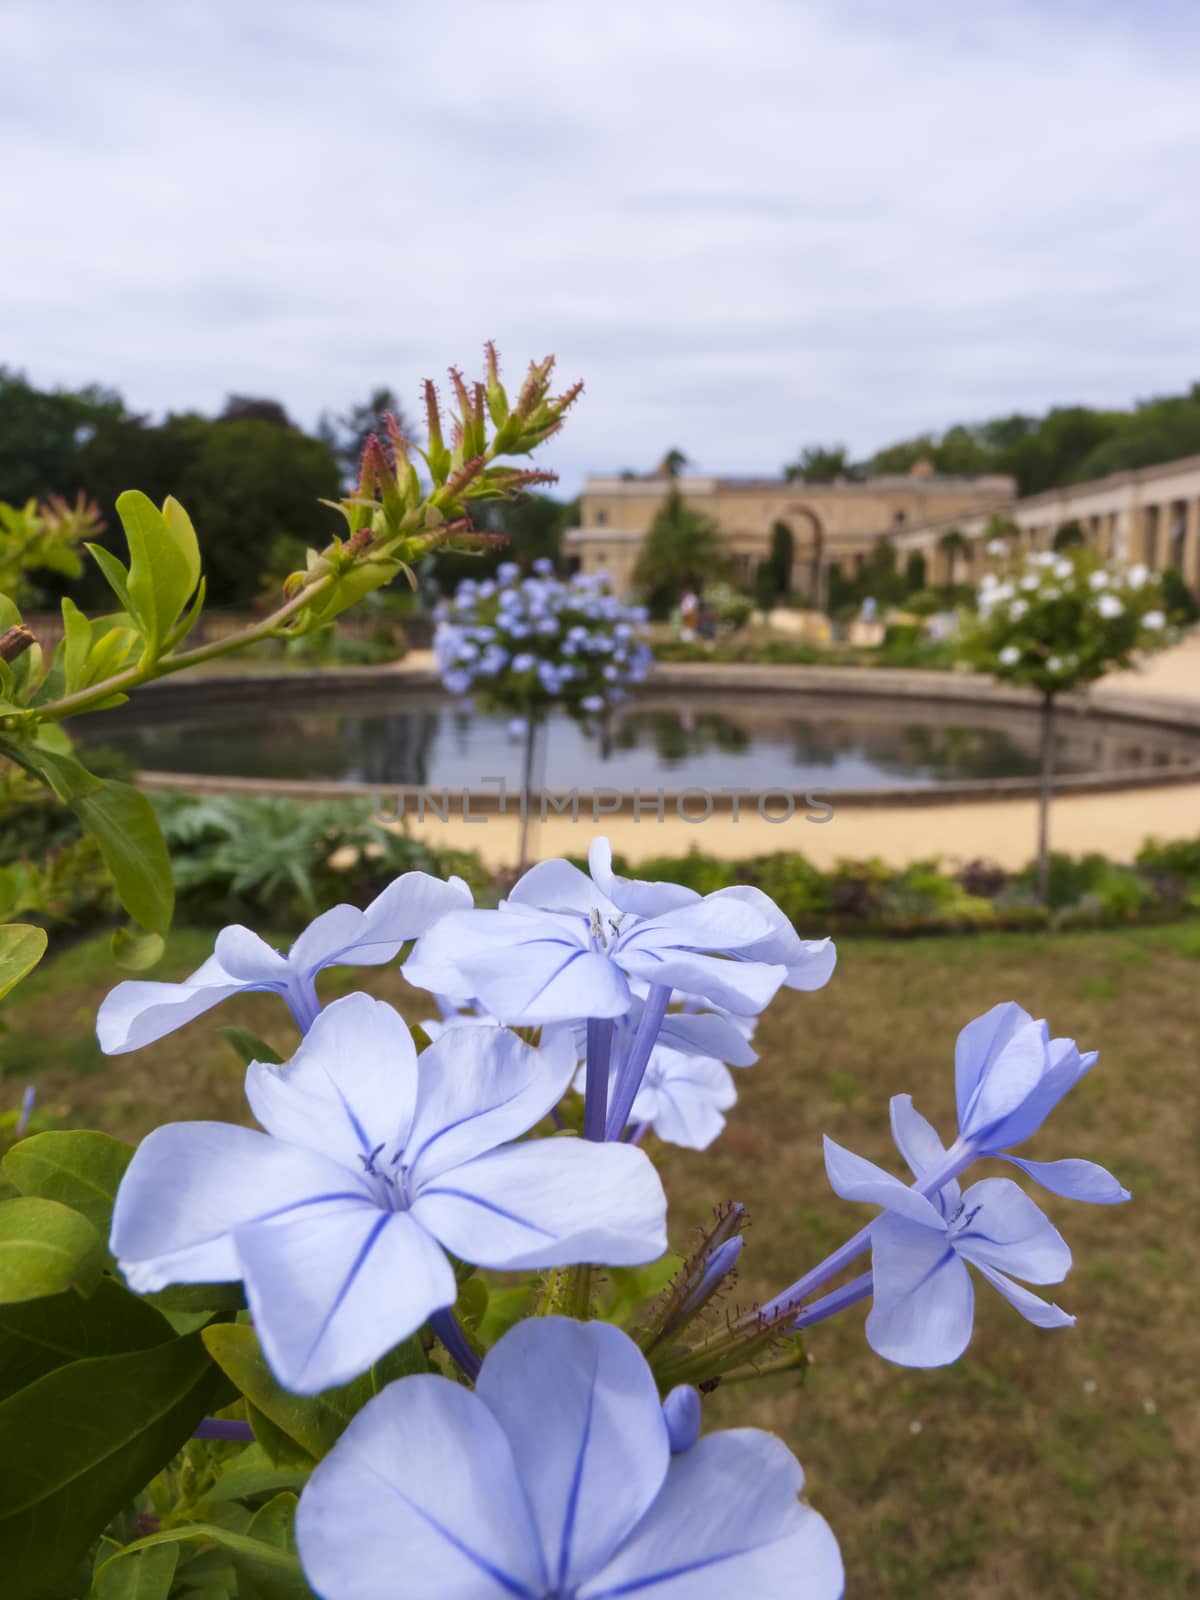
747 224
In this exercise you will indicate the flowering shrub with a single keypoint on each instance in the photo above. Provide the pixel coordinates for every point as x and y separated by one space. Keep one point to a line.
449 1436
524 645
1054 621
1057 621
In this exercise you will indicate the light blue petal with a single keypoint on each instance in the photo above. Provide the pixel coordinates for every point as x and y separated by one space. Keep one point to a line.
918 1142
250 959
1011 1077
924 1307
632 895
349 1089
683 1097
855 1178
1002 1227
333 1289
1063 1070
480 1087
138 1013
809 962
190 1185
536 976
728 1523
437 957
559 886
419 1497
683 1415
1075 1180
580 1409
978 1045
706 1033
407 908
1032 1307
719 922
549 1203
743 987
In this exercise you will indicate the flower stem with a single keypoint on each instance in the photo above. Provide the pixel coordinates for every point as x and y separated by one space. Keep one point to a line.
633 1068
599 1053
958 1157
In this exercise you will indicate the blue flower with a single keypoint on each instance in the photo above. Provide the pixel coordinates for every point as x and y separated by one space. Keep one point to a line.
137 1013
374 1164
924 1302
565 946
1009 1075
555 1480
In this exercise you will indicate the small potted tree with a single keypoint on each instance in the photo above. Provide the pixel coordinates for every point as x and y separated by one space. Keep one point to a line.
1058 621
525 645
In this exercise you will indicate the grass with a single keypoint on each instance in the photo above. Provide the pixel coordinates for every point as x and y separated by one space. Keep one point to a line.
1057 1464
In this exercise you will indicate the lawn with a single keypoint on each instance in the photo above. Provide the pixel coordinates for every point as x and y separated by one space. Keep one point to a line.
1062 1464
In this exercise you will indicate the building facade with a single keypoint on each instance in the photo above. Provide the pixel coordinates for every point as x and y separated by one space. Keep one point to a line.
1149 515
832 524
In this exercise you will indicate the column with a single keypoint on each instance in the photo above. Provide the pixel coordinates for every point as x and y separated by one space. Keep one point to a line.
1191 545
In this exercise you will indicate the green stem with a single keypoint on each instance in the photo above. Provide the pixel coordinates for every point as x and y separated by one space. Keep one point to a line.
83 699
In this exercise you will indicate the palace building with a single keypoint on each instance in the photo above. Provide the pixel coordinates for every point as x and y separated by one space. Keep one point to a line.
832 524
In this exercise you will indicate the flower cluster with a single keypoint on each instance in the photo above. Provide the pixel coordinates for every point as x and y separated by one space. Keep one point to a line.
526 644
1058 620
564 1457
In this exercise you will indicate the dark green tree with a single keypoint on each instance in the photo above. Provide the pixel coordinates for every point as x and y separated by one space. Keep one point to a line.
818 463
783 554
683 547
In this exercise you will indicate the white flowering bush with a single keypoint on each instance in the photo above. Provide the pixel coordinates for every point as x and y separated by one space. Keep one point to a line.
525 645
1058 621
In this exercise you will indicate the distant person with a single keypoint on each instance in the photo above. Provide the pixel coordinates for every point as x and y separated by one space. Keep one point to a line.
868 609
689 614
706 623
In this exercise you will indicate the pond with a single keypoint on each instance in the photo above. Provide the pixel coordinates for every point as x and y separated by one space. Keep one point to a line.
406 736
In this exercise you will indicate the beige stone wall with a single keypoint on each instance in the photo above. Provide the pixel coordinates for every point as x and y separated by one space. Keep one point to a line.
840 521
1151 515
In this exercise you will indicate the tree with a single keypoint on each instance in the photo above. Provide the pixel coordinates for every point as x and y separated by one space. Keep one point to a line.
914 572
253 408
347 434
1057 622
783 553
818 463
1070 533
241 476
673 463
683 547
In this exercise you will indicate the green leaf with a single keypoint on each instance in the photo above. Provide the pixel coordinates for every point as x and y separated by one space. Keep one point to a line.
39 1336
308 1420
264 1570
122 821
81 1169
45 1248
115 574
191 1297
22 946
137 952
80 1442
146 1575
164 564
275 1523
249 1047
254 1473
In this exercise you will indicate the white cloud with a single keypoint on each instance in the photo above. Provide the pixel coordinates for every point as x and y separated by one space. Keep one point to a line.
747 224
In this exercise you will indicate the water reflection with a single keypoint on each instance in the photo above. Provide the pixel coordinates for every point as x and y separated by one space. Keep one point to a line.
720 740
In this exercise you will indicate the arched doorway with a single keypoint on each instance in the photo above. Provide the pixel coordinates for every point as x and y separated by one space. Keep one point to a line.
809 570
